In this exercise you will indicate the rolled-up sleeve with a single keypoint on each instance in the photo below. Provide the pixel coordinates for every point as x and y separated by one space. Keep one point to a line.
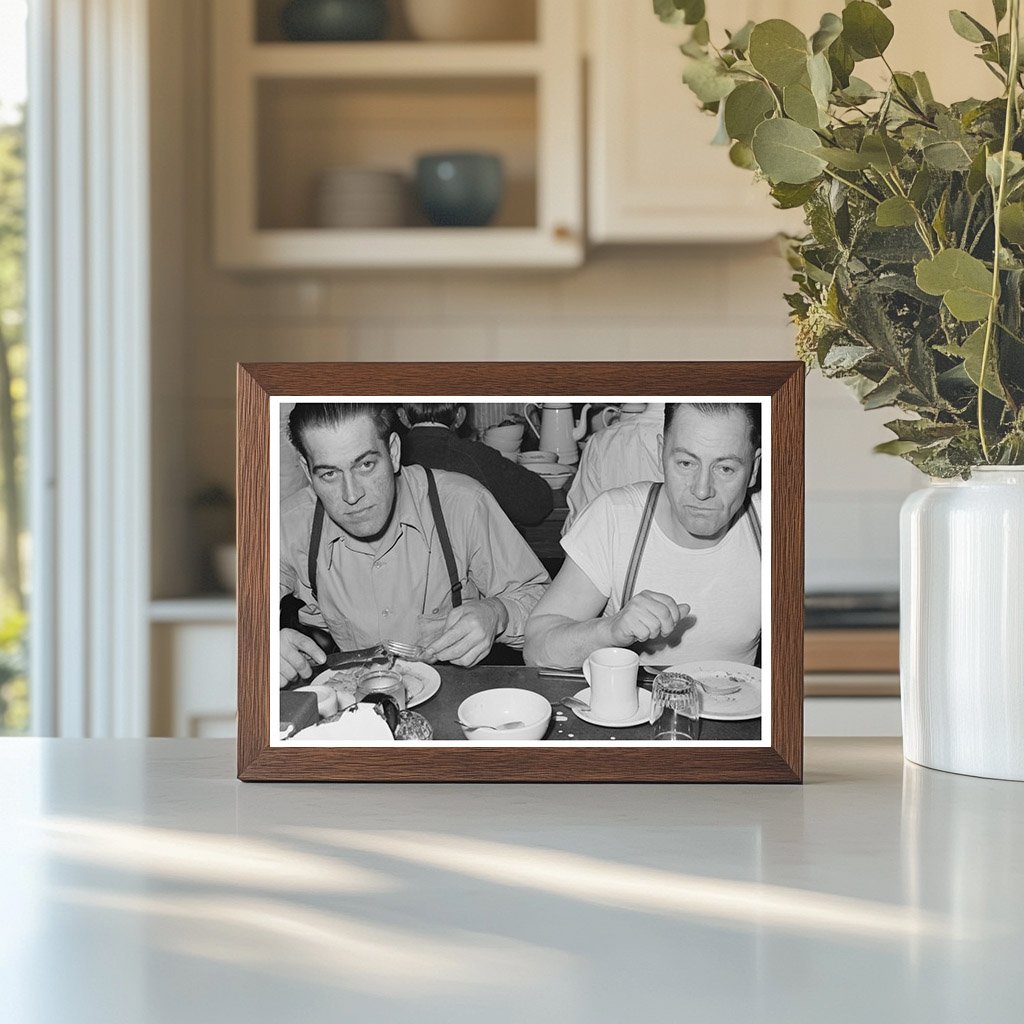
502 565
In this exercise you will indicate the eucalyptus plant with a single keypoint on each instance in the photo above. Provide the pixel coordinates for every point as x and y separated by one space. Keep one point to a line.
910 278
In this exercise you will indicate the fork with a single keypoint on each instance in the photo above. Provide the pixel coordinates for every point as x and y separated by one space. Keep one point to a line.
410 652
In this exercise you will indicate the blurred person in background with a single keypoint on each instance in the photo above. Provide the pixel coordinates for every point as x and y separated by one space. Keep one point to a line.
433 440
627 452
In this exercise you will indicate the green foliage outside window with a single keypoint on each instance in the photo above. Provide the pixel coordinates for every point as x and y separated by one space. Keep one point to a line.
13 414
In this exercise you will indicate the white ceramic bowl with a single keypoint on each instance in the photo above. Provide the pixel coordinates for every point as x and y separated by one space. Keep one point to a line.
469 20
543 468
539 456
507 704
556 481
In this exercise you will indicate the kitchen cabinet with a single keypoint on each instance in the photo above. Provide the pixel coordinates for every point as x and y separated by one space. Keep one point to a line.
286 113
653 175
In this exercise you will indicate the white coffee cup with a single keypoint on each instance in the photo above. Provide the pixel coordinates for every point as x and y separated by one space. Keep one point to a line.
611 672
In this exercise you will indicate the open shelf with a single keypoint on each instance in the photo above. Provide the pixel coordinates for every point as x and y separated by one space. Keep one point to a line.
393 60
287 113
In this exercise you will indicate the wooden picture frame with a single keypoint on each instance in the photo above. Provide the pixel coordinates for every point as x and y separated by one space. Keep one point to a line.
779 758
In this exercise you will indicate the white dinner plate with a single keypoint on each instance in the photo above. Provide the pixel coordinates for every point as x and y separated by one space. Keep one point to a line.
642 715
727 707
422 681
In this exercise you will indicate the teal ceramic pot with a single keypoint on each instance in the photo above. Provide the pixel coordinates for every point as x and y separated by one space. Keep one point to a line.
460 189
334 20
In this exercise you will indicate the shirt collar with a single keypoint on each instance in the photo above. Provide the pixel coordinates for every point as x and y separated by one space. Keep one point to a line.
406 514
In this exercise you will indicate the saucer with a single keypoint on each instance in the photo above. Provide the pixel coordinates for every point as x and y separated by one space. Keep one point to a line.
642 715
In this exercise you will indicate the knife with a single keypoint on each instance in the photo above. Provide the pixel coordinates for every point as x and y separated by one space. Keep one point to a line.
362 656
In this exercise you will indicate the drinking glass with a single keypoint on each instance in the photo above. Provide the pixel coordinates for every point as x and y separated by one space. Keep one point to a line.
675 707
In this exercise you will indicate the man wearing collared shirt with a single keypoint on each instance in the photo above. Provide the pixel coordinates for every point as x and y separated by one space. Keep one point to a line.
380 567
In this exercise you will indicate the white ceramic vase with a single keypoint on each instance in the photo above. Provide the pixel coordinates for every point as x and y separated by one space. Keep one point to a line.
962 624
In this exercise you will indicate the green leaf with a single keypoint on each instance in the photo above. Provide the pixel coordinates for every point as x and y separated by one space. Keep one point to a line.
921 186
923 431
739 41
895 447
785 152
947 156
708 81
742 155
924 88
779 51
800 105
994 167
896 212
885 394
745 108
999 6
968 28
830 29
844 159
866 29
963 281
820 76
1012 224
701 33
677 12
883 153
789 197
976 175
971 352
858 91
841 60
939 220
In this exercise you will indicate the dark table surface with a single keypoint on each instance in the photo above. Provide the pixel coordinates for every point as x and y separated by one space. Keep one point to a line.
459 683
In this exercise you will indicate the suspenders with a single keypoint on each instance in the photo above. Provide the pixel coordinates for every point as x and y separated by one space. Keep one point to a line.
317 529
644 531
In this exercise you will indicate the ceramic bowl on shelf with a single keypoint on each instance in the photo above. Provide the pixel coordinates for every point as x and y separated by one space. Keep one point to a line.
332 21
460 189
361 197
451 21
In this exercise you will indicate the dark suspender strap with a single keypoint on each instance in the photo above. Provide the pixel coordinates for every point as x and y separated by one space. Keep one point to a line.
446 541
640 544
315 533
755 523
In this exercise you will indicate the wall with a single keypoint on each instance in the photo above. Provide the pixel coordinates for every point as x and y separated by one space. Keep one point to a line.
651 303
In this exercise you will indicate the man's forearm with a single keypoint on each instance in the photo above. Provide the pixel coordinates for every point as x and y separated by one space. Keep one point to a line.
560 642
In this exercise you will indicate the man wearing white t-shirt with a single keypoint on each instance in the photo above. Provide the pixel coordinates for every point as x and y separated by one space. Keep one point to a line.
672 570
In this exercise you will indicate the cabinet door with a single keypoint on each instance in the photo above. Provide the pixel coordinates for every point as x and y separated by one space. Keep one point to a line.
653 174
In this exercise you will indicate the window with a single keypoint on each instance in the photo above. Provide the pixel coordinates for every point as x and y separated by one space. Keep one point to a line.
14 551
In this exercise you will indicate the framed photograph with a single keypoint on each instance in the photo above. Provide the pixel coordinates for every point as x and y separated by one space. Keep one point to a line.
520 571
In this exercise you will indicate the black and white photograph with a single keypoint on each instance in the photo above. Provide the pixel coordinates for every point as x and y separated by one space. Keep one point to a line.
529 570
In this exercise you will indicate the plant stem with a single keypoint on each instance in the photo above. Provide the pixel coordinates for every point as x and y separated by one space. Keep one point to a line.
993 309
923 229
855 187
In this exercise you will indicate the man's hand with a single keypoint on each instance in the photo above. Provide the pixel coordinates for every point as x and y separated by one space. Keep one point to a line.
645 616
298 656
468 632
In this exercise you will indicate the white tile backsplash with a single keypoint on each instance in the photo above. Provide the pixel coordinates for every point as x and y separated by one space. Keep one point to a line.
718 302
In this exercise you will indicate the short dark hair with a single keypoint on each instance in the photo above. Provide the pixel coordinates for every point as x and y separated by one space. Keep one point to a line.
427 412
751 410
333 414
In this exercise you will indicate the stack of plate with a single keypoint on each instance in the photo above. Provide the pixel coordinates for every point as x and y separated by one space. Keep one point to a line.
361 197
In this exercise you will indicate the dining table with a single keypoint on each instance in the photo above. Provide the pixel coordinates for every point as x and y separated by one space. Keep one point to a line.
457 683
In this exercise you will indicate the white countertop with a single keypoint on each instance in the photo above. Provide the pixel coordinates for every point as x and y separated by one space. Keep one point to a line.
144 885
